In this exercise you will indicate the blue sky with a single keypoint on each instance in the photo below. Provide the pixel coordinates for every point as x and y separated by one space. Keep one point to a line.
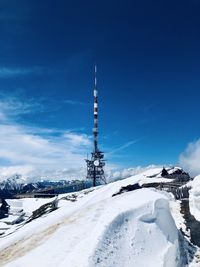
148 61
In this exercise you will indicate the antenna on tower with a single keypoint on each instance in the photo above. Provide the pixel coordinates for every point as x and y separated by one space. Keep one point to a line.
95 76
95 166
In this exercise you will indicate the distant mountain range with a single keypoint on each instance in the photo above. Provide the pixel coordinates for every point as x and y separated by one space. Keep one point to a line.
17 185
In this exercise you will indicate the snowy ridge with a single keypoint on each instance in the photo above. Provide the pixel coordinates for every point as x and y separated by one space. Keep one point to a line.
99 230
18 184
194 198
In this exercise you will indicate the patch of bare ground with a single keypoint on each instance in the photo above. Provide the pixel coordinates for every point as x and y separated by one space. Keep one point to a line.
23 246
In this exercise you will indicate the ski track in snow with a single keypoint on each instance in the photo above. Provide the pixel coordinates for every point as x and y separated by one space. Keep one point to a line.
21 247
24 245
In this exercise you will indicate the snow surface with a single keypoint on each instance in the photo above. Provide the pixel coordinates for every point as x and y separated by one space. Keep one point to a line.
175 208
27 204
194 198
131 229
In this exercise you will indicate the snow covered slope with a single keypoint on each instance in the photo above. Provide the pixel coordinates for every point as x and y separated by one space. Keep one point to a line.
194 198
95 228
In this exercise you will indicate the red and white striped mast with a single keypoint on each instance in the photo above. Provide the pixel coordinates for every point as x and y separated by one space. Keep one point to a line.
95 166
95 129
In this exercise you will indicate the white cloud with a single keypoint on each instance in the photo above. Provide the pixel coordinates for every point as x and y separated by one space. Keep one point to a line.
190 158
9 171
77 140
11 107
37 151
113 174
48 153
6 72
73 102
124 146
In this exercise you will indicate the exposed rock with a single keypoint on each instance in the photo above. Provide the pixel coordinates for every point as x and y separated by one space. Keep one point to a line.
127 188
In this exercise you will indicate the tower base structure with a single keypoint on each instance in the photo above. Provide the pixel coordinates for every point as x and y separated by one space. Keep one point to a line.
95 168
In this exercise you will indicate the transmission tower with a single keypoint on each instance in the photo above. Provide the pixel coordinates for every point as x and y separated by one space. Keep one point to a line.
95 166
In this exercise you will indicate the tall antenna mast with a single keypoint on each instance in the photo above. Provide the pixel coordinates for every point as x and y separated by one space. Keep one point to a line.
95 166
95 129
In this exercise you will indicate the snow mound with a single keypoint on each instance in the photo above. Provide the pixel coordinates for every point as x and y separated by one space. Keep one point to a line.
139 234
194 198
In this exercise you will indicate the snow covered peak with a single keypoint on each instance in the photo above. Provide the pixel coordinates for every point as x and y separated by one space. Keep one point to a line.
148 171
14 182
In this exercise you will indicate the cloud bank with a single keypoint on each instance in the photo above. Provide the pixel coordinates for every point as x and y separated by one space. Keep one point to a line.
115 175
35 151
190 158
